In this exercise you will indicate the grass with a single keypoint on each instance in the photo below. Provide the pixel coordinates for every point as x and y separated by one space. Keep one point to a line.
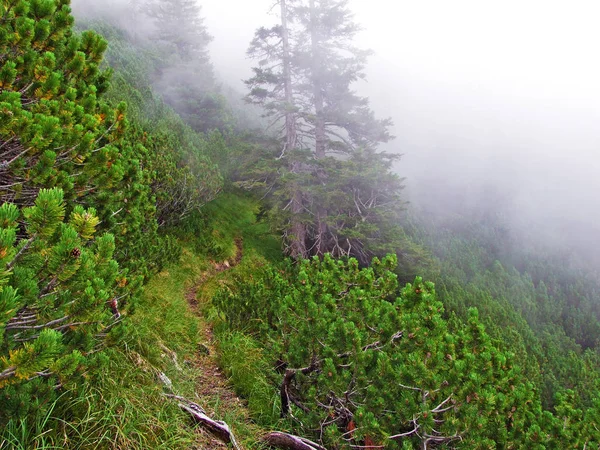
243 360
166 337
233 215
20 435
248 373
123 405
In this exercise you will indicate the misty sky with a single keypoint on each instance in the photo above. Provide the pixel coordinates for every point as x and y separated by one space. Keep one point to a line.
485 95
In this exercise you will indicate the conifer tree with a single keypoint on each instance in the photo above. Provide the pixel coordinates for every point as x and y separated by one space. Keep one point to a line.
59 292
73 167
185 77
340 120
273 87
51 122
56 130
304 81
181 27
363 363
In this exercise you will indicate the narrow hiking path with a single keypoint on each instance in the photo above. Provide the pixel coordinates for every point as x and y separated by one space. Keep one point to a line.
231 228
187 290
213 391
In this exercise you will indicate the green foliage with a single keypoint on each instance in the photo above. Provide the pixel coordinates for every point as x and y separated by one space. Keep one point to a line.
541 309
376 364
86 193
53 301
96 178
247 374
57 132
181 175
329 189
51 122
170 41
232 216
120 402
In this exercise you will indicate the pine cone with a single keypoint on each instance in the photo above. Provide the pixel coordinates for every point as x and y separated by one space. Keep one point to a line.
75 253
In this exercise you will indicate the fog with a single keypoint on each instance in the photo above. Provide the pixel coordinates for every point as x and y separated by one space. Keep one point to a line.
496 104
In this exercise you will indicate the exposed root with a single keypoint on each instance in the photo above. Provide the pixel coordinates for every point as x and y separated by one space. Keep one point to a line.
290 442
217 427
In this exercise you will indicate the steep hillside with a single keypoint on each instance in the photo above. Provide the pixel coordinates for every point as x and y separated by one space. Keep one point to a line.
170 281
86 196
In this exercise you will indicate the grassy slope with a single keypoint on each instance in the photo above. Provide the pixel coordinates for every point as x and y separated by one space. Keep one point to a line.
167 328
238 354
124 405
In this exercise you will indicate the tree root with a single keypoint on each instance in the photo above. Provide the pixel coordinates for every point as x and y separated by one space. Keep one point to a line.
217 427
223 432
290 442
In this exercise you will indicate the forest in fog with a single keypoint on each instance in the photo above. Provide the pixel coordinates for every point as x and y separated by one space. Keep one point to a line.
299 224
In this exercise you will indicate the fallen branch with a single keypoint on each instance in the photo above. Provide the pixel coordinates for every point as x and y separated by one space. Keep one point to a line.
290 442
217 427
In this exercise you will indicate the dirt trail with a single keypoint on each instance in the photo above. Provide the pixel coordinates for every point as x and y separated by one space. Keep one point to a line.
212 388
192 292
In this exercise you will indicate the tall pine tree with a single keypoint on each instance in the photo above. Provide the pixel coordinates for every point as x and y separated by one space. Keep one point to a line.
272 87
185 76
330 188
181 27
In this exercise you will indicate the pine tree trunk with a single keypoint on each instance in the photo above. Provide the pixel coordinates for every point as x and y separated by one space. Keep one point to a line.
290 120
317 86
298 244
320 137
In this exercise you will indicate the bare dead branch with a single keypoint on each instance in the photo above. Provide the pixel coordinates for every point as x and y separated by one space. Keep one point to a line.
8 373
